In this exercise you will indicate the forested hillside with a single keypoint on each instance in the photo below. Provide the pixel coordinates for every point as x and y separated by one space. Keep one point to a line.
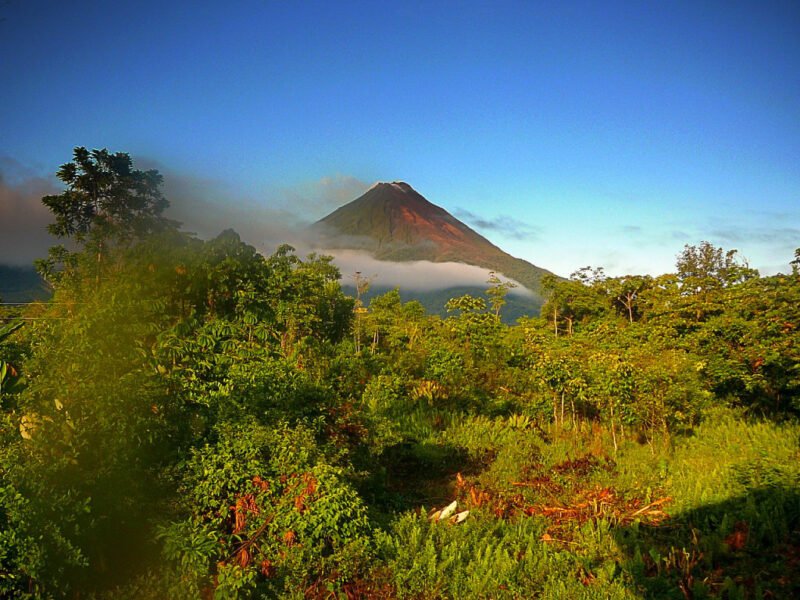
191 419
21 284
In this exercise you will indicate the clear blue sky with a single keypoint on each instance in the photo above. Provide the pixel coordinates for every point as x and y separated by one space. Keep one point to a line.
569 133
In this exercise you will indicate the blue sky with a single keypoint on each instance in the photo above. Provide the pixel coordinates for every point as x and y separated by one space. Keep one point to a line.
569 133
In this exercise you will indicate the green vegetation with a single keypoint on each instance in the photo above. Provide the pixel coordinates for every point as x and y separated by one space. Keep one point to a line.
191 419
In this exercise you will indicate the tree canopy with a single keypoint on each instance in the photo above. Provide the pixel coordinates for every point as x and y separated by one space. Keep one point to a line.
106 202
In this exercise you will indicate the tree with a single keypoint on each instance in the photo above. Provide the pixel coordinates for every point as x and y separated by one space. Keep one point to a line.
557 371
750 349
306 298
106 201
577 299
625 292
704 270
384 312
362 287
497 293
704 267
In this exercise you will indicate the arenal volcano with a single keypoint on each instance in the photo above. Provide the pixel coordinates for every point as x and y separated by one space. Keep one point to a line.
393 222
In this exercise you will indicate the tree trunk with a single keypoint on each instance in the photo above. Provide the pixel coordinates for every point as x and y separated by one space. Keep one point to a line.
574 416
555 408
613 429
374 342
629 306
99 261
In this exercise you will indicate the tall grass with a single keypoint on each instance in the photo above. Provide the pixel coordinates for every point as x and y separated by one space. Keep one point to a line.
730 488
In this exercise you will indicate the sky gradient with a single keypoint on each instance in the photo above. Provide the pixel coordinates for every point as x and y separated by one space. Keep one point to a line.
570 134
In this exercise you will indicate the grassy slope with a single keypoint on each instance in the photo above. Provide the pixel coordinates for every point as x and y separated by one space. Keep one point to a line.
556 514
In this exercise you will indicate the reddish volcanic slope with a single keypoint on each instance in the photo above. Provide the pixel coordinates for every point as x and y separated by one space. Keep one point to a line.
393 222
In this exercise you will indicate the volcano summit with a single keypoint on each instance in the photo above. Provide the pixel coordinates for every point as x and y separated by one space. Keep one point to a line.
393 222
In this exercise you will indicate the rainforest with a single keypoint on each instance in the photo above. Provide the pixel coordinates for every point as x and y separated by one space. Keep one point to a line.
188 418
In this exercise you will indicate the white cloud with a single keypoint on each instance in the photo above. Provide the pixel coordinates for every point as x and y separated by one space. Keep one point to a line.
415 275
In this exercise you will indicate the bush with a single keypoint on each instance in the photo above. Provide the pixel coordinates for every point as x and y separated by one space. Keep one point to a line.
267 513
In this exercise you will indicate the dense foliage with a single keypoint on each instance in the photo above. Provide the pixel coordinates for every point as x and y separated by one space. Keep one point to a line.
191 419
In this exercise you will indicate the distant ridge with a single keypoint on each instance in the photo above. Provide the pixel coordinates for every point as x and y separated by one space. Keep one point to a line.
21 284
393 222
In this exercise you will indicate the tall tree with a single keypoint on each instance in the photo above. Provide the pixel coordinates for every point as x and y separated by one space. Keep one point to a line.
625 292
106 201
577 299
497 292
704 270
